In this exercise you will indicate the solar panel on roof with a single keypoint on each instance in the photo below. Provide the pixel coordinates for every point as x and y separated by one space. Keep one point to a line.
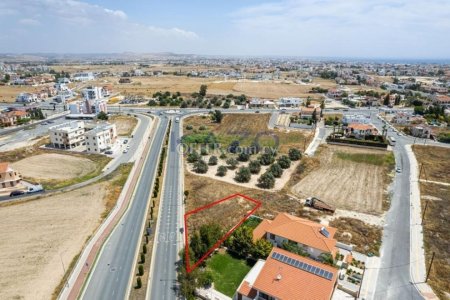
325 232
302 266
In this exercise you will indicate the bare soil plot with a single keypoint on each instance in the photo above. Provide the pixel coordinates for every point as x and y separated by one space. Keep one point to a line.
8 93
124 124
348 178
53 166
436 198
435 162
41 237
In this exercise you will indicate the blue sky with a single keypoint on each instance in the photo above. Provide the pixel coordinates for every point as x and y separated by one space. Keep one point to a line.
337 28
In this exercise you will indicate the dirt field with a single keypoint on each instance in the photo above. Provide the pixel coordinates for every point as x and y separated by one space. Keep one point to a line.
343 183
8 93
124 124
435 162
52 166
436 197
41 237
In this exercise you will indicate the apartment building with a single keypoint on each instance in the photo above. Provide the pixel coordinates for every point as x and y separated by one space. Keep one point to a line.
67 135
290 102
100 138
8 177
83 76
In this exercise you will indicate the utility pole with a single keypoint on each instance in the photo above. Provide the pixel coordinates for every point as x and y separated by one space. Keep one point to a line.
429 268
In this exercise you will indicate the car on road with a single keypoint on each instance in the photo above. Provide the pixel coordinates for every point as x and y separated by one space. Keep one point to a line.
108 152
125 151
50 122
125 141
398 170
35 189
16 193
257 112
44 123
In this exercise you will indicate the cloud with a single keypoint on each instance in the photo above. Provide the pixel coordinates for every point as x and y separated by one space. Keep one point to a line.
347 27
29 22
77 26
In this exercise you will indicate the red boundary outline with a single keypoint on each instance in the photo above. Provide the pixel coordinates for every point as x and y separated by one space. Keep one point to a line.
217 244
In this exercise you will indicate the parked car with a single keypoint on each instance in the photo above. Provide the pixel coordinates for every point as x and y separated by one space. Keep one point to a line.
125 151
108 152
125 141
257 112
398 170
16 193
35 189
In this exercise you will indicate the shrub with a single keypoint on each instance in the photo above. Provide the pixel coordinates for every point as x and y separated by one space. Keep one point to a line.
276 170
139 283
284 162
142 258
203 151
221 171
202 127
200 167
193 157
232 163
144 249
223 156
254 166
141 270
266 159
189 127
243 175
212 160
266 181
243 156
294 154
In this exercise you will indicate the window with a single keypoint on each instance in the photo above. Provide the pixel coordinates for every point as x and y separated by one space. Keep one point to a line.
271 236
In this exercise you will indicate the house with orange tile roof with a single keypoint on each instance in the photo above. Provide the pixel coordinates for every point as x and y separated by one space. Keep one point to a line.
11 118
361 130
441 100
312 237
8 177
307 112
287 276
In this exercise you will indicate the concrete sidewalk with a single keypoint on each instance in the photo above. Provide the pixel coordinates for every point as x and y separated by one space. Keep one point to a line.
417 251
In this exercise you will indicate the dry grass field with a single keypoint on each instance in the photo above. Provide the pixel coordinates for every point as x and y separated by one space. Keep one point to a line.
124 124
43 237
348 178
53 166
436 197
8 93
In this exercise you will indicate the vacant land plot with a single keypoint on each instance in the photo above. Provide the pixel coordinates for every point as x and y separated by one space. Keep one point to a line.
348 178
8 93
246 129
435 162
436 197
124 124
53 166
43 236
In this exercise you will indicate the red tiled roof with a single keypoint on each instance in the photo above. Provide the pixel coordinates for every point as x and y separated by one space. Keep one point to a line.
298 230
286 282
4 166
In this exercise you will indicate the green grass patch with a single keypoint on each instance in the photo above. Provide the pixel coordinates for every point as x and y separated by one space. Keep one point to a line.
252 222
371 159
228 272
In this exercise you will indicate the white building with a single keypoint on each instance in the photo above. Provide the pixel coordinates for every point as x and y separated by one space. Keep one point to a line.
290 102
76 108
27 98
360 119
95 106
83 76
92 93
101 138
67 135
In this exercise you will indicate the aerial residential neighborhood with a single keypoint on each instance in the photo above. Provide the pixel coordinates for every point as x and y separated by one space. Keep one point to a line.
225 150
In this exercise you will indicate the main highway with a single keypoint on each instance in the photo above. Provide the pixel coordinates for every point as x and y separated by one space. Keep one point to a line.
110 278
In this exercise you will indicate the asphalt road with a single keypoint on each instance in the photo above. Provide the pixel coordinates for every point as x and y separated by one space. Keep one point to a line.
113 270
163 279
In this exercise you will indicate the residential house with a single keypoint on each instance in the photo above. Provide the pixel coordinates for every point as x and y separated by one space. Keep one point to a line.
307 112
334 93
67 135
406 118
101 138
441 100
421 131
314 238
356 118
290 102
83 76
124 80
12 118
27 98
287 276
8 177
361 130
259 103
